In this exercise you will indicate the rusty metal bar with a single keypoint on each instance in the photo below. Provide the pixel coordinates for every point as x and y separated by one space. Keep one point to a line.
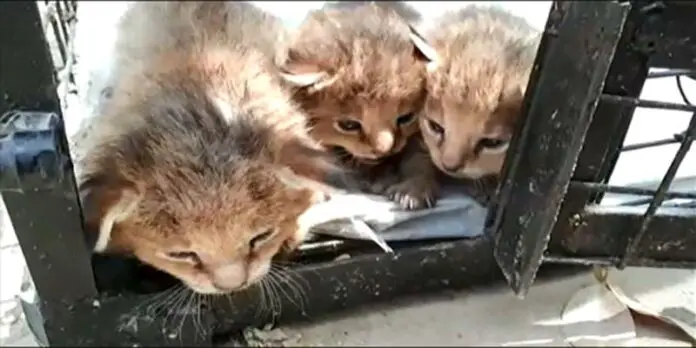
673 140
612 261
560 124
598 187
669 239
660 194
652 104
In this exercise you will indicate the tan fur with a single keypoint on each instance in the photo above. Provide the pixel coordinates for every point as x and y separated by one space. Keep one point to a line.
401 8
476 90
200 151
196 28
363 65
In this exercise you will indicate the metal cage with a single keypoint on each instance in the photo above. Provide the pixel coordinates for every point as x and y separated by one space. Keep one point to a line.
578 108
590 70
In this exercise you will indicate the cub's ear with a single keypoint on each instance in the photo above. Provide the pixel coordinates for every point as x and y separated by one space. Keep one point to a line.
302 79
105 203
422 50
306 75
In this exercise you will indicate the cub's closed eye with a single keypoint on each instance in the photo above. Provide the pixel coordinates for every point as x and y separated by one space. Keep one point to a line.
185 256
435 127
348 125
405 119
492 144
260 238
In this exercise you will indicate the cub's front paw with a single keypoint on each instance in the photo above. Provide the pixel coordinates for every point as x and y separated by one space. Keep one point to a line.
413 194
381 184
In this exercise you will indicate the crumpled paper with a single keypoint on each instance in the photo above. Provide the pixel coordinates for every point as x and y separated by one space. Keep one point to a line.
603 313
666 294
350 215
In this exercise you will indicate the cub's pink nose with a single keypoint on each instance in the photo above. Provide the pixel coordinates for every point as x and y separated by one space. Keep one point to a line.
230 277
452 163
384 142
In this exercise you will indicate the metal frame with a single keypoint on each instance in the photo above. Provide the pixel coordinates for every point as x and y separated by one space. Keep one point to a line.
547 207
543 202
91 300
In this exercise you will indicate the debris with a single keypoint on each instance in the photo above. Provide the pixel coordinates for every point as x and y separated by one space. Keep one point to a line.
268 337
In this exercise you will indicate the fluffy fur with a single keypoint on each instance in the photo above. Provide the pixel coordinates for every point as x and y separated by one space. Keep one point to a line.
200 164
475 91
359 70
401 8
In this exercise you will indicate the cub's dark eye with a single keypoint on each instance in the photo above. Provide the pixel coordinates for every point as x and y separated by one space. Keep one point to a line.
491 144
348 125
436 128
185 256
260 238
405 119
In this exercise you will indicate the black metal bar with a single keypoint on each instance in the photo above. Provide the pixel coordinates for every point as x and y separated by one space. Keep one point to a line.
608 129
71 6
44 207
652 104
125 321
671 73
607 133
61 17
597 187
365 278
669 239
672 39
639 202
674 139
61 41
547 159
682 93
498 202
660 194
613 261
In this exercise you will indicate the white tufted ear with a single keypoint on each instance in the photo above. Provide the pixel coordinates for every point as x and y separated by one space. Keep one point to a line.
423 50
117 212
105 204
303 79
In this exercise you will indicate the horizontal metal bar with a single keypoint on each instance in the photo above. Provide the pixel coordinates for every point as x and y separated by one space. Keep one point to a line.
366 278
651 104
661 193
123 321
644 201
598 231
599 187
613 261
674 139
672 73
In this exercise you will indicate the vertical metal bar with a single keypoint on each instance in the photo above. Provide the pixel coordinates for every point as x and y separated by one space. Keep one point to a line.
626 77
498 201
610 124
44 208
61 41
61 17
560 112
660 195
